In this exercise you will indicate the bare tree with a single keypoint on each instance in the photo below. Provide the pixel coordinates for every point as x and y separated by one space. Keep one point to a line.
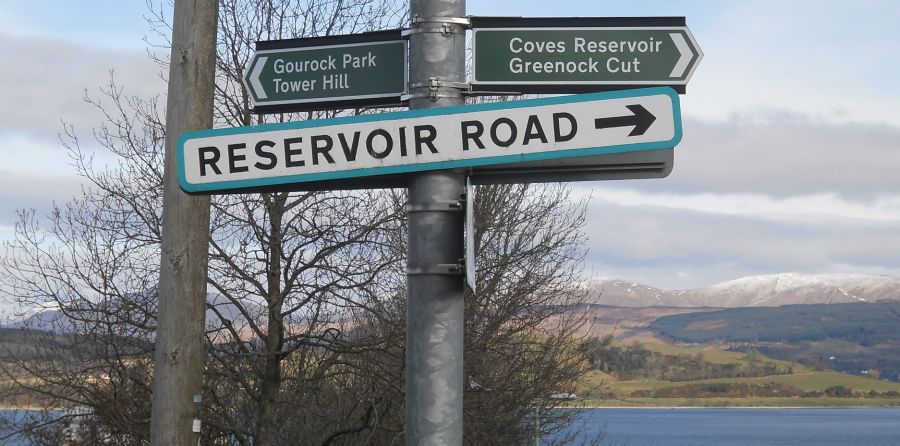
520 344
284 266
95 263
519 325
307 289
303 256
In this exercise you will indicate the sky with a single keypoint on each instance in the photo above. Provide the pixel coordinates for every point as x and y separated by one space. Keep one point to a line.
790 160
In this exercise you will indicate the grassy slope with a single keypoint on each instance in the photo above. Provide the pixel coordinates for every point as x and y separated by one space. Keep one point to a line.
710 354
599 384
739 402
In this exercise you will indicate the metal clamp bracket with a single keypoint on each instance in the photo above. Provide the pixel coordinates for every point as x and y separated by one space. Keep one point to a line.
440 269
434 82
491 93
437 88
435 206
438 25
433 95
464 21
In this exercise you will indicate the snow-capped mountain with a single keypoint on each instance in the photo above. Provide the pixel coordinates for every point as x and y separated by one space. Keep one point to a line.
755 291
48 317
621 293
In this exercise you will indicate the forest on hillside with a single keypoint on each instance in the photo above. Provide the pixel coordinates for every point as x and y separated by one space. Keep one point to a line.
867 324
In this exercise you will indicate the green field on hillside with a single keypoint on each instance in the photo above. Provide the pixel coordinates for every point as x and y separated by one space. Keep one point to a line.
712 355
739 402
810 381
802 387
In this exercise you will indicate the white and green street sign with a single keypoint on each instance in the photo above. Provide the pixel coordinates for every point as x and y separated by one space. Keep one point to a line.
564 133
615 56
303 74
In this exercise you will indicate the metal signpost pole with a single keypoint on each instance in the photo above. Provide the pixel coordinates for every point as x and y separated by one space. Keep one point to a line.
179 353
434 316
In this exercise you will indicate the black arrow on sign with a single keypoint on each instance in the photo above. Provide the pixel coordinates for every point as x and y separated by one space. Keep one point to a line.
640 118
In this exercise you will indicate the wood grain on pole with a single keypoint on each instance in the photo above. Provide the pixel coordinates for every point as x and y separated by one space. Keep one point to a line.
179 353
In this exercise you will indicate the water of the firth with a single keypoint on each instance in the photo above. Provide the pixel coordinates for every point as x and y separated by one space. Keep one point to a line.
720 427
744 427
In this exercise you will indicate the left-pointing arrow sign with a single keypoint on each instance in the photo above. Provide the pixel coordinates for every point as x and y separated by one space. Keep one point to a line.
368 69
255 85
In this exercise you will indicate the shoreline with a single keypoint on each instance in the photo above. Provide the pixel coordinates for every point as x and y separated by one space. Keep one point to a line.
727 407
734 403
28 408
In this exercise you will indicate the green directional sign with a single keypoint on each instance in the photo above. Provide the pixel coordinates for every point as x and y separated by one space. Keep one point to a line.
304 74
584 55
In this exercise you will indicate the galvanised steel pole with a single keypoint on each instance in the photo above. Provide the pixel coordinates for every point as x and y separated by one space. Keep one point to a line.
180 341
434 316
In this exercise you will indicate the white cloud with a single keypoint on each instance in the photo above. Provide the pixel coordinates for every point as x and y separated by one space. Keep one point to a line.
46 80
756 193
24 191
782 154
790 158
834 60
672 246
759 194
809 208
26 155
114 24
7 231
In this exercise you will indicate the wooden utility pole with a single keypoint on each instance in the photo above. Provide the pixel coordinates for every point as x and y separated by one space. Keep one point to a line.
179 353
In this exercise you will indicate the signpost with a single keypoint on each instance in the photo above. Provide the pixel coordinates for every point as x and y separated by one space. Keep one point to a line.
624 134
550 132
543 55
328 72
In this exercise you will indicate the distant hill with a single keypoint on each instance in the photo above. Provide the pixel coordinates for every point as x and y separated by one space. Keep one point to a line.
23 343
622 323
854 338
865 324
756 291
